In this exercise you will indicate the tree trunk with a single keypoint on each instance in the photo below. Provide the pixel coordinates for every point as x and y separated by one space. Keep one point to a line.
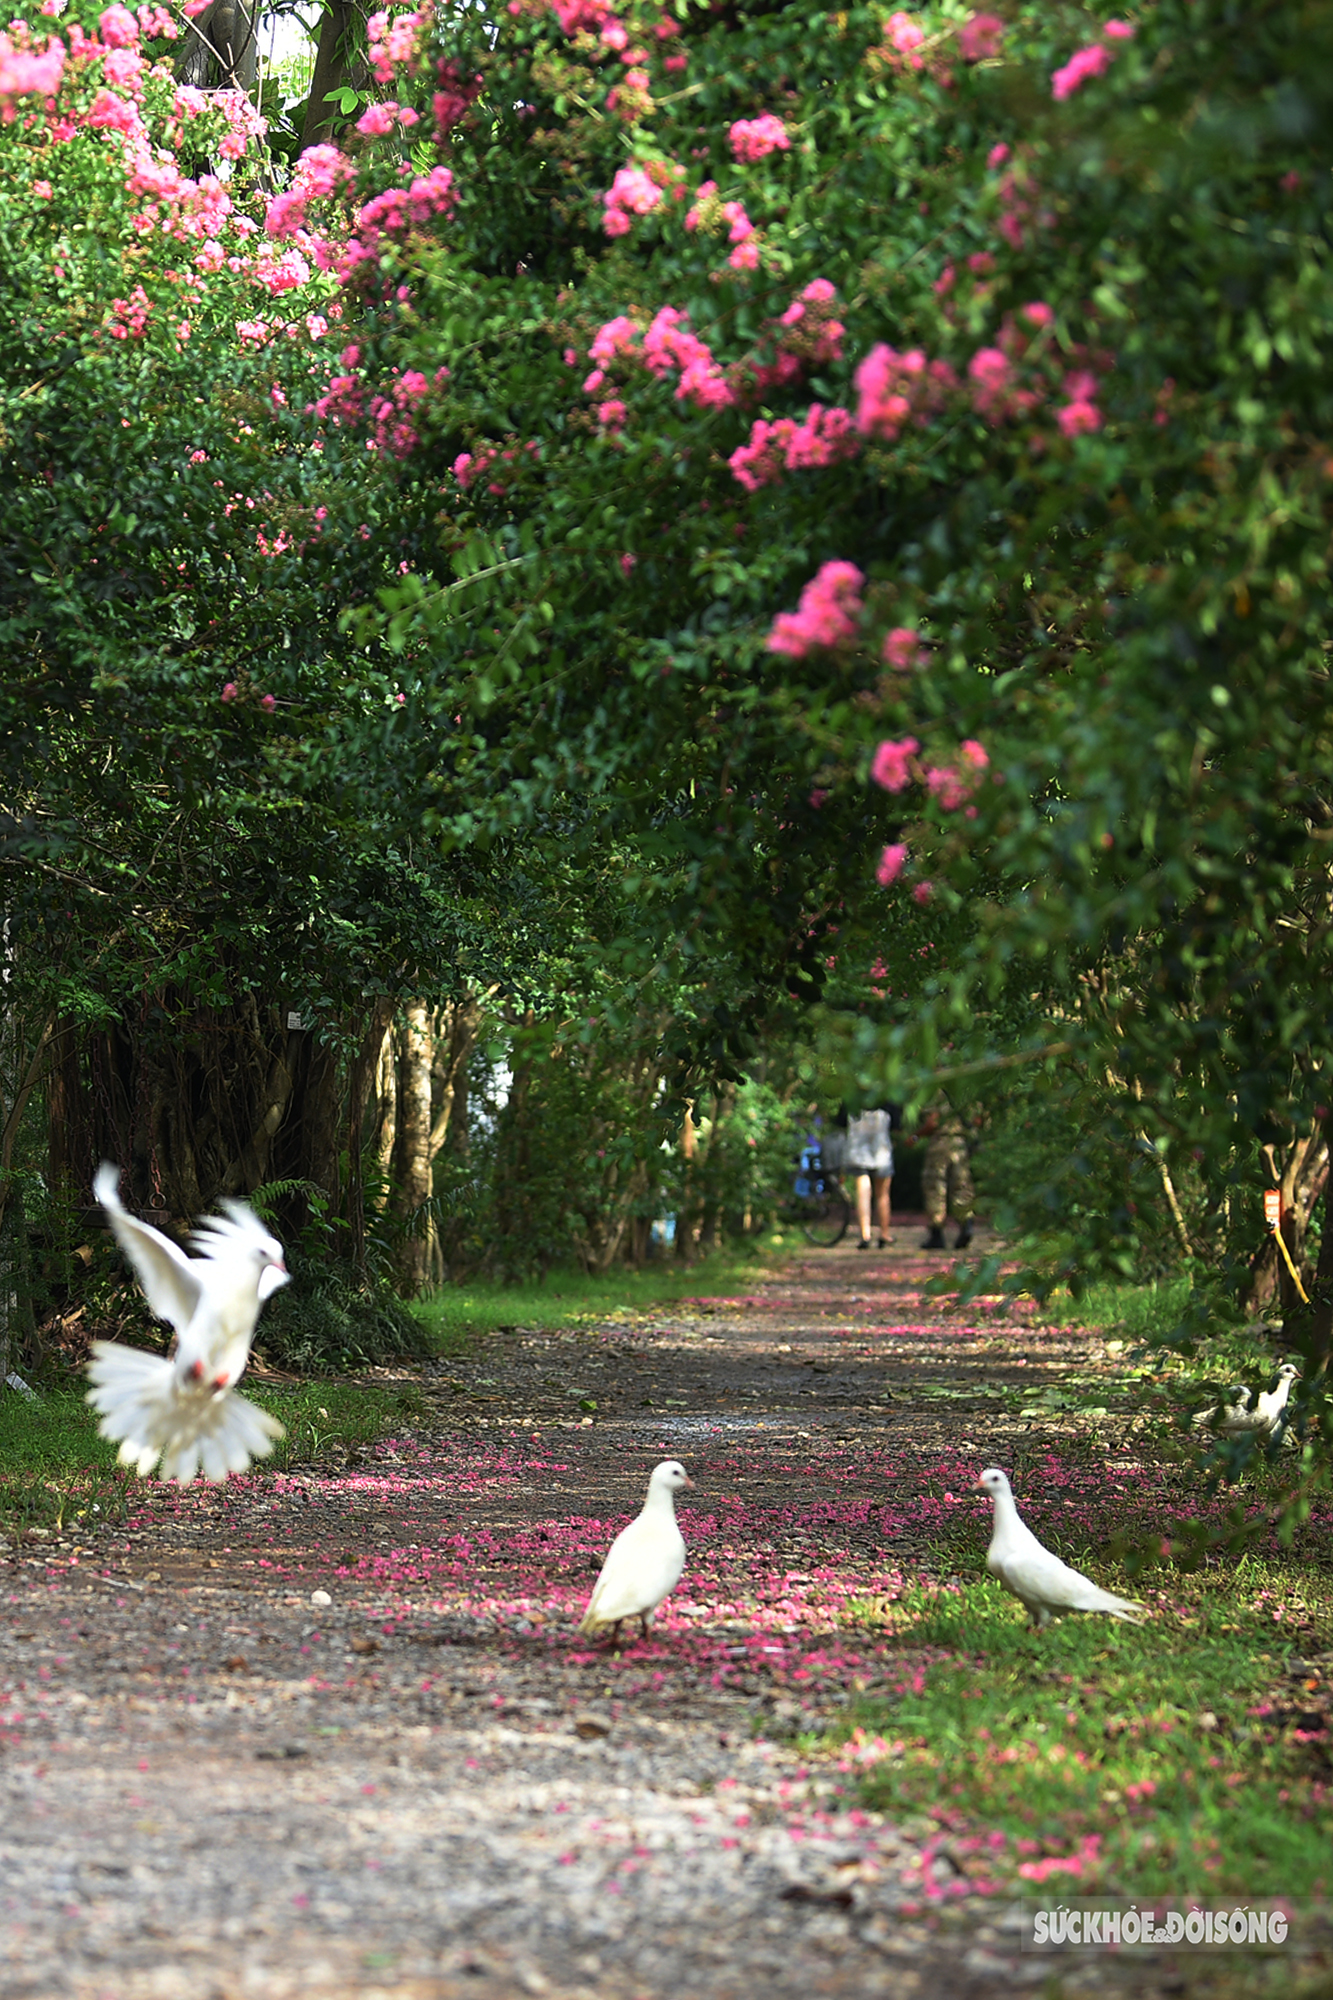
455 1030
364 1071
412 1162
687 1219
1301 1174
220 49
339 61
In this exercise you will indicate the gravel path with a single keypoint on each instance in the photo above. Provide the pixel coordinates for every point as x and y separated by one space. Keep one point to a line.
333 1733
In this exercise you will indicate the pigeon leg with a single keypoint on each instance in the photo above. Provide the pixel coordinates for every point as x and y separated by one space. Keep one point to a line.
643 1624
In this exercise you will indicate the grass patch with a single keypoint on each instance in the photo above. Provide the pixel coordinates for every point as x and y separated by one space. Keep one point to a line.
57 1470
458 1314
1192 1755
1137 1313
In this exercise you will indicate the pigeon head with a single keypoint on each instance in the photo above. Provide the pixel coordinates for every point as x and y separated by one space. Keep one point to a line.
994 1482
671 1475
1288 1372
240 1233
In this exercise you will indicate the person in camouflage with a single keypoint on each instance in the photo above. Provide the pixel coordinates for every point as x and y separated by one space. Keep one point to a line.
946 1177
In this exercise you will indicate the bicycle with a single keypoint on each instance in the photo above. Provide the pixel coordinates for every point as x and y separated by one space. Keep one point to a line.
817 1204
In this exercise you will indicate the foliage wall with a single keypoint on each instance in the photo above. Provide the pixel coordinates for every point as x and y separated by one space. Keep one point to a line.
776 490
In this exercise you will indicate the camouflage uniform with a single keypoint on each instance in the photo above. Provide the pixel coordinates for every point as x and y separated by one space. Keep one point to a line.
946 1178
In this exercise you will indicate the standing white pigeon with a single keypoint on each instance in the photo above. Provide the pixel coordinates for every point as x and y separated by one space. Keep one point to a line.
185 1410
1032 1573
1249 1412
644 1562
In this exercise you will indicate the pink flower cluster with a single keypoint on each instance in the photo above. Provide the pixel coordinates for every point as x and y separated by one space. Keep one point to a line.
321 172
996 394
896 389
953 785
395 431
1080 413
632 192
393 213
891 765
1086 63
711 214
130 316
979 37
669 344
244 120
755 138
118 28
27 73
827 615
394 41
904 35
706 209
377 121
903 649
809 328
825 436
467 467
666 344
453 97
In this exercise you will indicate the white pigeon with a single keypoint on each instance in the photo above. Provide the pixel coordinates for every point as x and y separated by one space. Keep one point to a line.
644 1562
185 1410
1250 1412
1032 1573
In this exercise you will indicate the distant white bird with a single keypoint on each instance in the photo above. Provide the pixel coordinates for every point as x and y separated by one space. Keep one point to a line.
1032 1573
644 1562
185 1410
1253 1412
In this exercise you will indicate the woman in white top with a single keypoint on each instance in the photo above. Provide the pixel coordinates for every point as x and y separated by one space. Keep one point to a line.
869 1155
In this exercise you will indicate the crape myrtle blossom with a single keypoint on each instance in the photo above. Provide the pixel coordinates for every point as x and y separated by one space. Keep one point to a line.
827 615
667 343
378 120
823 437
891 863
895 389
755 138
979 37
1086 63
28 72
809 328
394 41
903 649
891 765
904 34
638 191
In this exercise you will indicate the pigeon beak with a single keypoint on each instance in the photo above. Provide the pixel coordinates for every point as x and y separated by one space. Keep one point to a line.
688 1480
980 1483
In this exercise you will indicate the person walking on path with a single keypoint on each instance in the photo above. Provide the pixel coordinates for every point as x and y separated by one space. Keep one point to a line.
946 1177
868 1154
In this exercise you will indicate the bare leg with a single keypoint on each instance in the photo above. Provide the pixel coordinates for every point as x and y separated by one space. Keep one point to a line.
883 1204
863 1205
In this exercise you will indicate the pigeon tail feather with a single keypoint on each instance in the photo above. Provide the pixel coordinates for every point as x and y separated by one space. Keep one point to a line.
146 1408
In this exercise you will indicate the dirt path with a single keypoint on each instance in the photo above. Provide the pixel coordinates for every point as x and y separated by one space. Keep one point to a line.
334 1733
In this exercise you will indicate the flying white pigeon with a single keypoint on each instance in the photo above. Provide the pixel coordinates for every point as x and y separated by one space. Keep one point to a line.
1032 1573
185 1410
644 1562
1253 1412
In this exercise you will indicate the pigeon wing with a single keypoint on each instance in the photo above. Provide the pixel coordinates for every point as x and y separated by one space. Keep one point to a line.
166 1275
643 1565
1043 1582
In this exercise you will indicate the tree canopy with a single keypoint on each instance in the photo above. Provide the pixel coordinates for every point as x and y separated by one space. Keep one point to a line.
855 485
